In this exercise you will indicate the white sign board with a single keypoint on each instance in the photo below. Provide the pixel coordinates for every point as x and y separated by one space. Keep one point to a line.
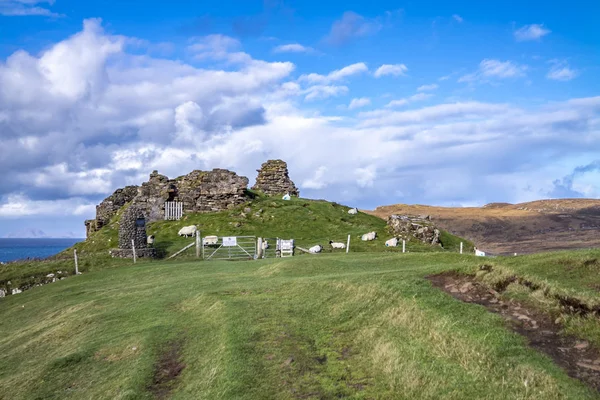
229 241
287 244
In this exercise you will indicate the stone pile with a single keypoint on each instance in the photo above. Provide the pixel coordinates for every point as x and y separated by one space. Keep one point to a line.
417 227
132 231
273 179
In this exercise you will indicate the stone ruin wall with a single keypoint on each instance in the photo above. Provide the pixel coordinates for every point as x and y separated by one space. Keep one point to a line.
419 227
273 179
132 231
109 207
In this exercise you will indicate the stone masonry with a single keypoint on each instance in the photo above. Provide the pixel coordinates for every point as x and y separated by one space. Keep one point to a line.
132 228
109 207
417 227
273 179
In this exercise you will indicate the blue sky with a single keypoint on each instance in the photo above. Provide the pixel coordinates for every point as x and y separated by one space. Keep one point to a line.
371 103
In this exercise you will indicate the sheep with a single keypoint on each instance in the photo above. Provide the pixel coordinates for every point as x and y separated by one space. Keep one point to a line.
188 231
210 240
369 236
316 249
286 197
150 240
337 245
353 211
265 245
393 242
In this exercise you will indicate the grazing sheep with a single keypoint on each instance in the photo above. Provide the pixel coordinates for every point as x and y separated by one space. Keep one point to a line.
210 240
265 245
188 231
286 197
353 211
393 242
316 249
369 236
337 245
150 240
479 253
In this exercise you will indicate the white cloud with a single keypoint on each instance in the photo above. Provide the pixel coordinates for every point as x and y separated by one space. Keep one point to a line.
458 18
391 69
411 99
561 71
317 181
292 48
336 75
531 32
20 8
359 102
218 47
495 69
115 116
425 88
351 26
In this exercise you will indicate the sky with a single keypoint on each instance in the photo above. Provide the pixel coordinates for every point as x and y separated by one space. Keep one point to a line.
456 103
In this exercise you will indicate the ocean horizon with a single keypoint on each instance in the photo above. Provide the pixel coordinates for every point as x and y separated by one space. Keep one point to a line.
13 249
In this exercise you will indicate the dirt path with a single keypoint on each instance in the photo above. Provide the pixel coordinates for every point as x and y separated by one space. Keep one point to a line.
577 357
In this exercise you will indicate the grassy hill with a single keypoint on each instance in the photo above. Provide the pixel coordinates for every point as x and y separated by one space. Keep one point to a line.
359 326
309 222
525 228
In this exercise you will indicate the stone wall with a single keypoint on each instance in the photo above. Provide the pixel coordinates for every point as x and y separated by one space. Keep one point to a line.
273 179
109 207
132 231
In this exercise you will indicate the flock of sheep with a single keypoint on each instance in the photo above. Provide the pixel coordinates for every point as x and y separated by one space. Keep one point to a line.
191 231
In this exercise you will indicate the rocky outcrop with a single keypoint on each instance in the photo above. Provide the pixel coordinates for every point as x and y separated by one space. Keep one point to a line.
109 207
273 179
419 227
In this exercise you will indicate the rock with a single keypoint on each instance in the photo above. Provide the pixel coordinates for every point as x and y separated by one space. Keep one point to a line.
2 293
247 210
407 225
581 345
50 276
16 291
466 287
273 179
589 366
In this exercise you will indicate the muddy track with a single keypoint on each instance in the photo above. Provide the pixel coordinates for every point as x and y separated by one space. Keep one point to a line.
167 370
577 357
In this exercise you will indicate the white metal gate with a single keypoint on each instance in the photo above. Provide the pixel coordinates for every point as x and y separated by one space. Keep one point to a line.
173 210
278 248
230 248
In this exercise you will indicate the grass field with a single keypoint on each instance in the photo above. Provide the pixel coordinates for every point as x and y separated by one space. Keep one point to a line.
361 326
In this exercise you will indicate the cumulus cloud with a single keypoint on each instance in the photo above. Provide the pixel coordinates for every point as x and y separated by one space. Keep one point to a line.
21 8
351 26
531 32
69 139
495 69
292 48
569 187
391 69
359 102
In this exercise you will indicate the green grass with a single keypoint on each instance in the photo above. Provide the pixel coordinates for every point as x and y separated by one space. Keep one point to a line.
309 222
359 326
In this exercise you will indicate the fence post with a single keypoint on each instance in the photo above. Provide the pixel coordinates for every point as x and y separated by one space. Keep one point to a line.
76 265
133 248
198 239
461 247
348 245
403 246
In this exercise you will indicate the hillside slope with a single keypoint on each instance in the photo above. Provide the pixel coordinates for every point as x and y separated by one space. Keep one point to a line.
504 228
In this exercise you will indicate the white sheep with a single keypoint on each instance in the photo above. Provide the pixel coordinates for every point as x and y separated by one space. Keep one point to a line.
188 231
265 245
150 240
369 236
353 211
337 245
393 242
316 249
210 240
286 197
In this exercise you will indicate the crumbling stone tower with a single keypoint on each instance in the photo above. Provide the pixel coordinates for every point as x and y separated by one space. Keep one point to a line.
132 228
273 179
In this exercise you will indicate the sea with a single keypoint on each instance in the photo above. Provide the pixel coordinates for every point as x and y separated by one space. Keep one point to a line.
19 249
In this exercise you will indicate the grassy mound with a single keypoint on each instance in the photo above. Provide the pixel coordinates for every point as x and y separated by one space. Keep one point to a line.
309 222
354 326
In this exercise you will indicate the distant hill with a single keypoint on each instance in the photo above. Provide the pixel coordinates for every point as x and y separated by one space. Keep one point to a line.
39 234
504 228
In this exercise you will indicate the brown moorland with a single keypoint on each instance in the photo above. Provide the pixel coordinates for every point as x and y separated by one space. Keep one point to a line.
503 228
